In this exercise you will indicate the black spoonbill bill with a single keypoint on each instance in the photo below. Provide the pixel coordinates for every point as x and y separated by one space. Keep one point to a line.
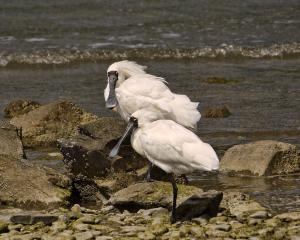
129 88
169 146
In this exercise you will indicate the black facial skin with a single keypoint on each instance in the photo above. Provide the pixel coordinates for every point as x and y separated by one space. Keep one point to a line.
112 101
132 124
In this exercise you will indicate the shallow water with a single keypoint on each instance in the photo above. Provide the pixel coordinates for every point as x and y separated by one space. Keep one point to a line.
53 50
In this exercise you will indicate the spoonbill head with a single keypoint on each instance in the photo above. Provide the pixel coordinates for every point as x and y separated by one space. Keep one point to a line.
130 89
117 73
169 146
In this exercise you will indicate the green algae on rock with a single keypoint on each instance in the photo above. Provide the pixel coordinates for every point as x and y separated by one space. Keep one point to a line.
20 107
44 125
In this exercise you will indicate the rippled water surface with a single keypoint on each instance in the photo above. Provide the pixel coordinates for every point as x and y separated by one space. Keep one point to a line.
60 49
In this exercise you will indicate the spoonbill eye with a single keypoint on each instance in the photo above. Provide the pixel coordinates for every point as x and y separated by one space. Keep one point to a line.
112 73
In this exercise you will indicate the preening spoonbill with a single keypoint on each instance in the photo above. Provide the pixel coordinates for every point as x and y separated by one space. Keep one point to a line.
169 146
130 88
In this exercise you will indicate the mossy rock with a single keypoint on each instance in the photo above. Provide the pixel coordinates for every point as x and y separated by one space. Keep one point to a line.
220 80
191 201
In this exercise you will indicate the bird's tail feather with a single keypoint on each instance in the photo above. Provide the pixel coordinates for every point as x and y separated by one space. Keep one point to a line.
185 111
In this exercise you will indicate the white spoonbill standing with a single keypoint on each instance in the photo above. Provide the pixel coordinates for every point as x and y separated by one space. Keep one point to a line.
130 88
169 146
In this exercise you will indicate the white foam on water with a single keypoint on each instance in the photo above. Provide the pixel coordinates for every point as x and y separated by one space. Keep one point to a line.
36 39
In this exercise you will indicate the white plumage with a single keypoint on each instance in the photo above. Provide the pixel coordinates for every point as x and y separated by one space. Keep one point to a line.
170 146
135 89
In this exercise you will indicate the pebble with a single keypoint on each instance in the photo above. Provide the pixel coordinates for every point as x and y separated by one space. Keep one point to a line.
259 215
80 226
223 227
89 219
84 236
254 221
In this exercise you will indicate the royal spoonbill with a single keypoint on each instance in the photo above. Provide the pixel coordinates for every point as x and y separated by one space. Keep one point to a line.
169 146
130 88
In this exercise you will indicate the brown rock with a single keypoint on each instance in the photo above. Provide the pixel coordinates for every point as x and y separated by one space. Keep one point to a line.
25 185
10 142
86 153
191 202
261 158
44 125
20 107
216 112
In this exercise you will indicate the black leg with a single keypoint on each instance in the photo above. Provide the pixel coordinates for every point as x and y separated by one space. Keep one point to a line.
175 189
148 176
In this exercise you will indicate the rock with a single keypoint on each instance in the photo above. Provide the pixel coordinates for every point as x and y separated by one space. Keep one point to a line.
86 153
240 205
87 191
82 156
3 227
104 129
30 219
58 226
115 182
259 215
192 201
20 107
222 227
153 212
76 208
10 141
44 125
261 158
289 217
79 226
25 185
84 236
216 112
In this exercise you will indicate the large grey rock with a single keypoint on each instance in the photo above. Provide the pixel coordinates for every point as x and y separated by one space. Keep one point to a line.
25 185
10 142
261 158
191 201
44 125
86 153
20 107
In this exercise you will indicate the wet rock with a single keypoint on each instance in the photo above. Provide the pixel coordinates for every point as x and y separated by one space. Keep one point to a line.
10 141
82 156
87 191
20 107
86 153
216 112
192 201
220 80
25 185
261 158
30 219
44 125
240 205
